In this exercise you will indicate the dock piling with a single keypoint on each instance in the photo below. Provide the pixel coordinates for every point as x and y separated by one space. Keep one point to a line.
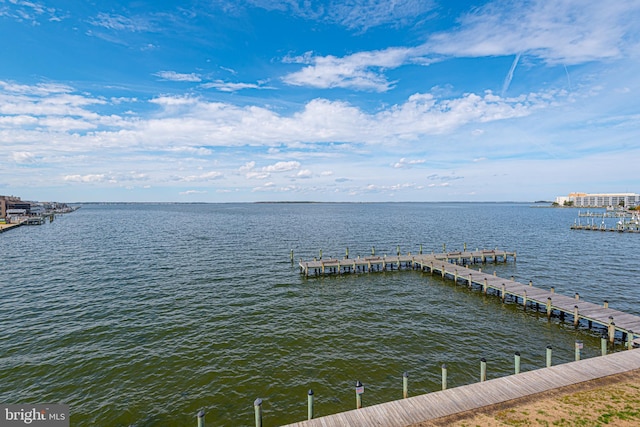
603 345
200 416
483 369
611 329
359 392
444 376
517 362
257 408
310 404
578 348
549 351
405 385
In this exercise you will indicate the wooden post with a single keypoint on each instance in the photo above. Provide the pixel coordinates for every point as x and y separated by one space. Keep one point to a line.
612 330
549 308
455 276
346 255
420 248
444 376
549 351
465 246
373 250
257 408
291 256
310 405
530 283
320 253
578 348
405 385
470 281
504 292
576 316
577 296
398 250
444 247
485 286
606 304
200 417
517 362
553 289
603 344
359 392
483 369
629 340
524 299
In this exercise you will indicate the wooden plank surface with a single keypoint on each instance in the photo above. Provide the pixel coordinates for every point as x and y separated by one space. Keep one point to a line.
405 412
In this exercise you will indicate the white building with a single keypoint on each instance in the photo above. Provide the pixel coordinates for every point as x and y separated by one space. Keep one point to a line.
600 200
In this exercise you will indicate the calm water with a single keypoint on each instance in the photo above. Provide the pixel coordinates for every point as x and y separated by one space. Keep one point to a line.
144 314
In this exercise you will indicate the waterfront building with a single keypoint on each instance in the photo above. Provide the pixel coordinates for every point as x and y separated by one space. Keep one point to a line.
600 200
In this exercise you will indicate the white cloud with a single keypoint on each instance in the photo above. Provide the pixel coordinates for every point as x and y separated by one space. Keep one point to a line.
247 167
562 32
123 23
282 167
404 163
304 173
90 178
223 86
207 176
357 15
23 157
360 71
191 192
178 77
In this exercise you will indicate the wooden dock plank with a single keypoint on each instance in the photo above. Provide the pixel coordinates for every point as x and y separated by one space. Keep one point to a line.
405 412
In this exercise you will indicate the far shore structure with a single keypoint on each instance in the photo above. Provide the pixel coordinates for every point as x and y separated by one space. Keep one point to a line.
15 212
599 200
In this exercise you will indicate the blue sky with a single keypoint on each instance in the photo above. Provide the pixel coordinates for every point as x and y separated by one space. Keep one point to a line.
353 100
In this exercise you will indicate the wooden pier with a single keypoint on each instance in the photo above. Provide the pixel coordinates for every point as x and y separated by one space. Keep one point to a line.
627 228
437 405
455 266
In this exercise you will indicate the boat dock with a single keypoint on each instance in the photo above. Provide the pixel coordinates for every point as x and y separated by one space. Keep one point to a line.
624 228
456 266
437 405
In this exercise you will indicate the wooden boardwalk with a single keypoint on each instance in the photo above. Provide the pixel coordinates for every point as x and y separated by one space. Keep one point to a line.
407 412
455 266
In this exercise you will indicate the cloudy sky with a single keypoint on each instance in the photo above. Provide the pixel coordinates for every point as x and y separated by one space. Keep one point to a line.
349 100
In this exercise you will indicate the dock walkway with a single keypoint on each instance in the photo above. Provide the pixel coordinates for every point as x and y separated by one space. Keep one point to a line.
431 406
455 266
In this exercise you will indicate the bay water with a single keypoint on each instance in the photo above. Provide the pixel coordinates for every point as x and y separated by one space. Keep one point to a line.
144 314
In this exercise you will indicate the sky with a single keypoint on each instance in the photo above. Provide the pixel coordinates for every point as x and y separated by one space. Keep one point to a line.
334 100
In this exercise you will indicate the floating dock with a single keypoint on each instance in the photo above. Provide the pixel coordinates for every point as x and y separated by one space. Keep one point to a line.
455 266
